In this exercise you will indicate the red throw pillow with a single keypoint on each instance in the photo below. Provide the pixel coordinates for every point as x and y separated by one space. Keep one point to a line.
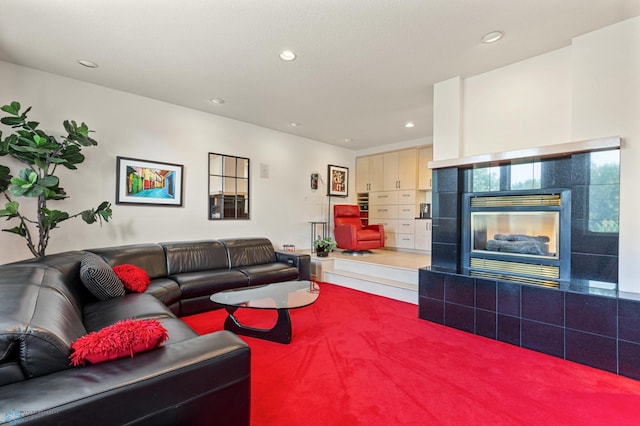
133 277
118 340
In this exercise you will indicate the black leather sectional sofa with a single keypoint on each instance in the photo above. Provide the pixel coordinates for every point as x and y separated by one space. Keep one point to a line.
191 379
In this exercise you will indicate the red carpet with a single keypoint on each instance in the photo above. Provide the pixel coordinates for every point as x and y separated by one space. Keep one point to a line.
359 359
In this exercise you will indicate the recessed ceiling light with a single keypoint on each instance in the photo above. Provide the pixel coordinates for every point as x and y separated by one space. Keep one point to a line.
347 140
492 37
288 55
294 124
88 64
216 101
409 124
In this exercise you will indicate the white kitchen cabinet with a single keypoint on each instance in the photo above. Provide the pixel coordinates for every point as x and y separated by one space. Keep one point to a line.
396 211
391 181
383 198
405 241
390 225
370 173
400 169
423 232
383 212
407 169
406 226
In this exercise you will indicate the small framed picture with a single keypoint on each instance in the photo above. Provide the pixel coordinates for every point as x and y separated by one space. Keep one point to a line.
337 181
148 182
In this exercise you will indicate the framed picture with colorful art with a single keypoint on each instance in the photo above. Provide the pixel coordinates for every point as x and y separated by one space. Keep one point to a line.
148 182
337 181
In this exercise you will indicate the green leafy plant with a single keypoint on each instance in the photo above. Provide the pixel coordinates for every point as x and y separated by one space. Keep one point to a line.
42 154
325 244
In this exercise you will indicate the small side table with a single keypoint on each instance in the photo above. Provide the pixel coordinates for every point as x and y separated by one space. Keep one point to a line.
314 227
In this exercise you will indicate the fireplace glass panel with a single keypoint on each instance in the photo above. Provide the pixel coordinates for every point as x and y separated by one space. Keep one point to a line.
516 233
604 191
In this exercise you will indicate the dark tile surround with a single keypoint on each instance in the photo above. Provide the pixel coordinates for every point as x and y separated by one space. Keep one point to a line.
583 321
599 331
594 256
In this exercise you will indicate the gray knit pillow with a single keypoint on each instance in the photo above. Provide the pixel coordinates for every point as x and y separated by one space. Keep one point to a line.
99 278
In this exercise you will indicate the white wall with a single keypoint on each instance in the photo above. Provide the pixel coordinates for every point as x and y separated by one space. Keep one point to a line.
447 119
588 90
518 106
133 126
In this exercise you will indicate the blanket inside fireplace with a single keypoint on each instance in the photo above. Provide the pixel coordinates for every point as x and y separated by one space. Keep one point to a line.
519 244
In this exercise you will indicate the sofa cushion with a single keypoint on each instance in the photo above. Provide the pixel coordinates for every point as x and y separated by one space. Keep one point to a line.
205 283
178 330
194 256
269 273
98 315
249 251
124 338
149 257
164 289
197 305
134 278
368 235
99 278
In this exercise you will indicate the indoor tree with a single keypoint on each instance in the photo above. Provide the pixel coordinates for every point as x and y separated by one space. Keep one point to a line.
42 154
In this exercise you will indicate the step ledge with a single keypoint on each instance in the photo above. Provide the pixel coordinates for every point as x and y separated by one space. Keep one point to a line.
383 290
361 261
372 279
377 271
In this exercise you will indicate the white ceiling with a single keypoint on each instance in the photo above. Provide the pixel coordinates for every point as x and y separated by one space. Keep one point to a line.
364 67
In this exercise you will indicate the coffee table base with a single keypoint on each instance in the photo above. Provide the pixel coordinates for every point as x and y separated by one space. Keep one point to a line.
280 332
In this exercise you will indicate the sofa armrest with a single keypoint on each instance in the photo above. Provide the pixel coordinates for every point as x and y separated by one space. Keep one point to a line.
299 260
189 382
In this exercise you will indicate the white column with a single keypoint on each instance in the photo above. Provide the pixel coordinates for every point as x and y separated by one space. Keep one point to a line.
447 119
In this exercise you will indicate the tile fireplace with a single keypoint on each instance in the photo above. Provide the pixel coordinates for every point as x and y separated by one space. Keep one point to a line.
582 187
521 236
525 251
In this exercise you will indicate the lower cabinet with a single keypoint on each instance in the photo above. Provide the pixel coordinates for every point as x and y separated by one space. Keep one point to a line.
403 241
396 211
422 235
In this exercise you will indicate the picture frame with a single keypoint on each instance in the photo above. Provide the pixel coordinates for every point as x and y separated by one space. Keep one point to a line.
148 182
337 181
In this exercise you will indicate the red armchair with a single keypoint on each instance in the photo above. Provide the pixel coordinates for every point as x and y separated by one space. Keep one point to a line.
349 232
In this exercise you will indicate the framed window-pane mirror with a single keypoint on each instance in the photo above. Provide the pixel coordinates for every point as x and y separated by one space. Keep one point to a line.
228 187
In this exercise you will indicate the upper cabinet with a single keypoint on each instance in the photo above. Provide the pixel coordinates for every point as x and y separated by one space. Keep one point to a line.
407 169
424 172
400 169
370 173
396 170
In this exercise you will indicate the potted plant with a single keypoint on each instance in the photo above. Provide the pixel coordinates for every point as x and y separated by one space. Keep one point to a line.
324 245
41 153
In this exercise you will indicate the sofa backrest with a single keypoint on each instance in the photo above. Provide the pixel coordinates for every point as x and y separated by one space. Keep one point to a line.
249 251
194 256
38 322
149 257
68 263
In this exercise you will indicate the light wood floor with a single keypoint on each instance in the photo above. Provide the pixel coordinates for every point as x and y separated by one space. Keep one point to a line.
388 257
